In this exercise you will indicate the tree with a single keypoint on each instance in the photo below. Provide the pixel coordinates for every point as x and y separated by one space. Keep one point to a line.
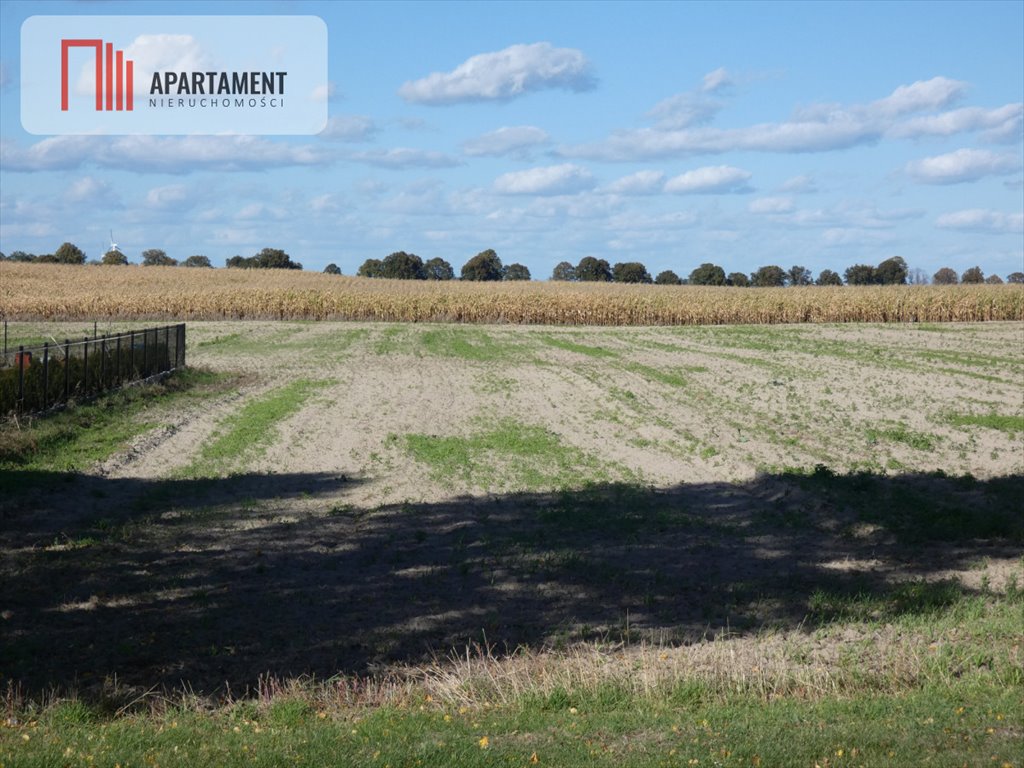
798 276
114 258
484 266
738 279
1015 277
771 276
516 272
438 269
593 270
332 269
69 253
828 277
197 261
917 276
238 262
21 256
668 277
403 266
945 276
861 274
274 258
46 258
892 271
994 280
371 268
154 257
630 272
707 274
973 275
564 271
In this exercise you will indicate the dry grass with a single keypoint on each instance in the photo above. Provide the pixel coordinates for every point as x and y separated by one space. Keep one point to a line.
59 292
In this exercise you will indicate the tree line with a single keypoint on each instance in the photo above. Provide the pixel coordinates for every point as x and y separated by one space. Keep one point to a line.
487 266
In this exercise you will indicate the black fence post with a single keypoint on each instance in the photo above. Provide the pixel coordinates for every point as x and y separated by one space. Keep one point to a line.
21 374
117 361
103 362
67 370
145 353
85 369
131 355
46 374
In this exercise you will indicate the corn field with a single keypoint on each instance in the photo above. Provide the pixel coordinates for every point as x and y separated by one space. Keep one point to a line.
62 292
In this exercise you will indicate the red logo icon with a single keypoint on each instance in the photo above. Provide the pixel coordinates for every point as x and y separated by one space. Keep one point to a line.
113 92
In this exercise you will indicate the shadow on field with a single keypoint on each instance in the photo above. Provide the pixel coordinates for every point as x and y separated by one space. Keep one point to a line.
205 583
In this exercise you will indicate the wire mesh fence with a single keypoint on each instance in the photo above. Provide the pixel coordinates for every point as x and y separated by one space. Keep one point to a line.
38 378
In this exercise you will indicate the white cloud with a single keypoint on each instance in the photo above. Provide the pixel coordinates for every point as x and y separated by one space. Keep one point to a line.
980 220
716 80
403 157
156 53
515 142
86 189
999 125
503 75
326 92
714 179
771 205
799 184
159 154
845 236
326 203
684 110
962 165
639 183
818 128
350 128
261 212
547 180
168 196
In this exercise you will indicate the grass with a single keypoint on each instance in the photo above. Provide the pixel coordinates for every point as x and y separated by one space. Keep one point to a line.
246 434
900 434
519 455
81 435
1001 422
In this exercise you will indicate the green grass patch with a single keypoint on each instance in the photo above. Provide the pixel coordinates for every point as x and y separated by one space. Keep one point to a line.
671 378
1003 423
246 434
966 725
559 342
467 343
77 437
509 454
900 434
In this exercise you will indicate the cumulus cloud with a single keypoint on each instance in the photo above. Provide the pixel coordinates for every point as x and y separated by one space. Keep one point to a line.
684 110
87 189
350 128
771 205
516 142
817 128
547 180
639 183
800 184
159 154
403 157
717 179
981 220
961 166
716 80
504 75
168 196
1001 125
327 92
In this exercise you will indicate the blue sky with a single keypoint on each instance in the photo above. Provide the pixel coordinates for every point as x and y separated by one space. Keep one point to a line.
819 134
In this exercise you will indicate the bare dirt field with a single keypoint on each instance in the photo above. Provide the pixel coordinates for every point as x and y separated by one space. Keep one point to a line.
371 494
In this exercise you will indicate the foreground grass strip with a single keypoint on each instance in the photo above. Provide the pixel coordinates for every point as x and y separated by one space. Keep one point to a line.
74 439
968 725
529 457
246 434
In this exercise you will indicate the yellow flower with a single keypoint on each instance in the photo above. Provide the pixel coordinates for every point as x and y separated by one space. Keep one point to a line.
484 743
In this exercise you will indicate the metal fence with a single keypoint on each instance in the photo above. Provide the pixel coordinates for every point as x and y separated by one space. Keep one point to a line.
37 378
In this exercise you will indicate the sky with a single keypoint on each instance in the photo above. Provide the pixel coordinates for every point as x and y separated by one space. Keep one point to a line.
743 134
